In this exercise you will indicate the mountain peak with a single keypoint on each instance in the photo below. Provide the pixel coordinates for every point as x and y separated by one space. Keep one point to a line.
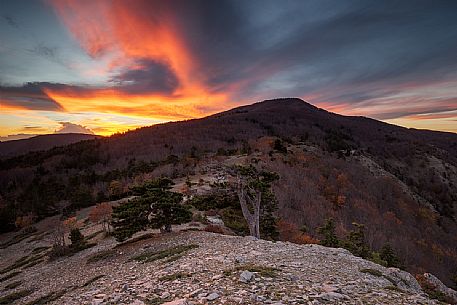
280 105
286 102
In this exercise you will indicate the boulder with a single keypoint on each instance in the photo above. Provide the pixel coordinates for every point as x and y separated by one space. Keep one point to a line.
212 296
403 280
246 276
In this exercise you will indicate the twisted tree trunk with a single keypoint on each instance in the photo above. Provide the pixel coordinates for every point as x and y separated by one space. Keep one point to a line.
246 202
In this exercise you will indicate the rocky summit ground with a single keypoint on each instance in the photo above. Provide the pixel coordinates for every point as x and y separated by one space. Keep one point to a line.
197 267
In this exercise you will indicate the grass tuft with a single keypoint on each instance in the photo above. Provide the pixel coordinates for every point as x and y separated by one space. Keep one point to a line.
93 280
156 301
19 237
12 297
46 299
372 272
393 288
262 270
90 236
172 277
40 249
171 253
102 255
13 285
8 276
136 239
24 262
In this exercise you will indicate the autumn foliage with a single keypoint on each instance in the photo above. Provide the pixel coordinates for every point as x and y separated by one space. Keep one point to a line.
24 222
101 213
290 232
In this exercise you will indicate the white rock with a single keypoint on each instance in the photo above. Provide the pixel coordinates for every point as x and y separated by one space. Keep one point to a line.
331 296
177 302
246 276
212 296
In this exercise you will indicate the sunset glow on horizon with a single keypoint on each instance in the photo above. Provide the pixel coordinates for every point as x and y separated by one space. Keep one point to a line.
112 66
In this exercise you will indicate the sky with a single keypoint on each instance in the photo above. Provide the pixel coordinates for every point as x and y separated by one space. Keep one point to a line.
102 67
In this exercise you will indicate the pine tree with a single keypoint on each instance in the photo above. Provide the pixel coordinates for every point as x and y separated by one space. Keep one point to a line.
388 255
156 207
77 238
355 242
167 210
129 218
268 220
328 231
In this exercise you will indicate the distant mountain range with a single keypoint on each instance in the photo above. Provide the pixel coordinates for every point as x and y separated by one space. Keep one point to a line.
40 142
400 183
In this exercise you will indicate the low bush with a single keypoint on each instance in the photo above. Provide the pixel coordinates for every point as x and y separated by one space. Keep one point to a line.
233 219
214 229
214 201
61 251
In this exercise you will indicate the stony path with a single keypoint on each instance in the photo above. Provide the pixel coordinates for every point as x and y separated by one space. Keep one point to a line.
221 270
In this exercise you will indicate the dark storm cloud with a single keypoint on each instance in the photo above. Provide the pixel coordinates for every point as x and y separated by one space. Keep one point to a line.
358 43
299 47
430 110
11 21
29 96
148 76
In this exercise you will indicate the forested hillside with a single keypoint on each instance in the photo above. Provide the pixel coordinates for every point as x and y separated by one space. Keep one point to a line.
401 184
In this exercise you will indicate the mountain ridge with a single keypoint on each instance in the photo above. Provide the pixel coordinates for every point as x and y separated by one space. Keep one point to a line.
323 160
40 142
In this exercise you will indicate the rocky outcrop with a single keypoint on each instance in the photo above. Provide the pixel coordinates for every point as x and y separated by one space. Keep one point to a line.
433 283
403 280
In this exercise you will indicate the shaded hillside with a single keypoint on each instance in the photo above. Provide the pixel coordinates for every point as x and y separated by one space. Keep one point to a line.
400 183
43 142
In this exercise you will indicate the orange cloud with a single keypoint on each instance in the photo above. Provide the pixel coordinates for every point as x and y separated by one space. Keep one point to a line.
158 107
118 30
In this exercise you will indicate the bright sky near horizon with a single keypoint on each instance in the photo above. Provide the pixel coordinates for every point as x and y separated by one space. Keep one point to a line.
113 65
